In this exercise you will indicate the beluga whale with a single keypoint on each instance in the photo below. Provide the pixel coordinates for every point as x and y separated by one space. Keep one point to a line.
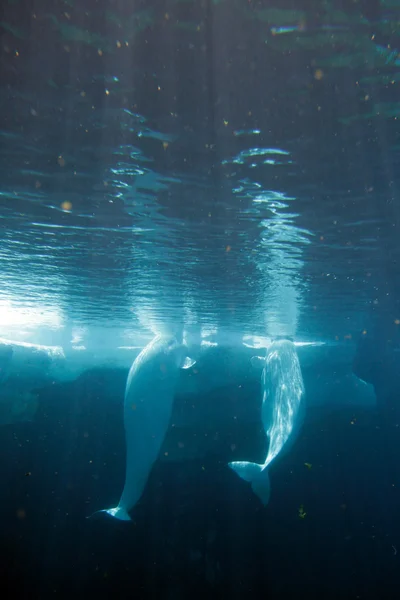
149 396
282 412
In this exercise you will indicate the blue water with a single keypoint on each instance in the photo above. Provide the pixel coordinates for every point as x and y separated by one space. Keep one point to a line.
228 170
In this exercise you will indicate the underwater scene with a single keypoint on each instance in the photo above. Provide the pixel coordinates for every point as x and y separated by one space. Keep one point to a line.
199 299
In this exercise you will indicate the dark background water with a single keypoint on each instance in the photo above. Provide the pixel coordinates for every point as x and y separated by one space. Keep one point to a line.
198 529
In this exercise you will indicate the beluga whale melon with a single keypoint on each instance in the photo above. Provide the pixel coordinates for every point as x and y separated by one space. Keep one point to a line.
282 412
149 396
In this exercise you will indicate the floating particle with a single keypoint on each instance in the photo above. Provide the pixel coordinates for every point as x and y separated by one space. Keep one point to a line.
308 465
61 161
318 75
302 513
21 514
66 206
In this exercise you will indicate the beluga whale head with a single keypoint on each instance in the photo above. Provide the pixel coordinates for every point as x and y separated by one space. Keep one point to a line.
178 351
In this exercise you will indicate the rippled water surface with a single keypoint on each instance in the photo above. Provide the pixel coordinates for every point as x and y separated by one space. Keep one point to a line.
224 165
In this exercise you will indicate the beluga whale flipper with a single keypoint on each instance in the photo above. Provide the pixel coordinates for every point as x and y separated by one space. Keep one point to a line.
149 397
282 412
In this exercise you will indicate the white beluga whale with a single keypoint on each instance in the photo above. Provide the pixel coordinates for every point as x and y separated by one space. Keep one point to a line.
149 396
282 412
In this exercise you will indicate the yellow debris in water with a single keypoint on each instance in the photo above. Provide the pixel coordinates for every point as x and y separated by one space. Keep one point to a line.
318 74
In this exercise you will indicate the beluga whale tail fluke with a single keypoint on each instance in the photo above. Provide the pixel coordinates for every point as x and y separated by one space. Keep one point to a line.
149 396
117 513
255 474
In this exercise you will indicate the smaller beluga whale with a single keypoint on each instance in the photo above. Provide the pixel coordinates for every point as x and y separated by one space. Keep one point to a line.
148 403
282 412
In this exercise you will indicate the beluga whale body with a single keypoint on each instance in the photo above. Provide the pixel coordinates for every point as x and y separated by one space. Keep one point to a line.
149 396
282 412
